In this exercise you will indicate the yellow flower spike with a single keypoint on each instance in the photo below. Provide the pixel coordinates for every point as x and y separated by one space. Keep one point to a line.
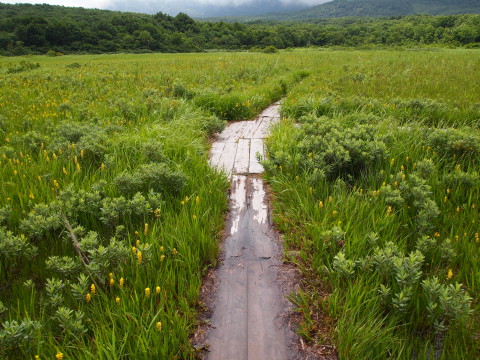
82 152
437 234
121 282
407 159
297 178
174 251
310 190
162 257
102 167
392 162
75 159
330 199
197 200
459 209
389 211
320 204
448 191
138 242
64 171
402 168
384 184
31 196
54 156
445 199
186 199
457 237
139 257
88 297
136 233
60 151
182 202
161 249
403 176
450 274
159 326
335 212
134 249
37 357
147 292
15 172
145 229
110 275
93 289
59 356
78 167
361 191
464 234
117 300
39 178
112 282
158 289
194 217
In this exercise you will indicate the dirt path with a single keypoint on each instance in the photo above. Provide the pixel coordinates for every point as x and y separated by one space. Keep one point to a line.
247 318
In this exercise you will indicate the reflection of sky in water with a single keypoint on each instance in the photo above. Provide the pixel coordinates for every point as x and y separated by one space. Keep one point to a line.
258 202
239 201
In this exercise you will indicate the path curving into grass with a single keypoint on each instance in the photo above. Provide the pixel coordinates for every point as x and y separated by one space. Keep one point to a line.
247 317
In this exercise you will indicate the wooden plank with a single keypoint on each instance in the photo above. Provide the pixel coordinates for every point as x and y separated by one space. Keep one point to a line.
242 157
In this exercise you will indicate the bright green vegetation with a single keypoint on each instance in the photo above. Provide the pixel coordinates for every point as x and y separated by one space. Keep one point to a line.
53 30
375 171
109 211
104 180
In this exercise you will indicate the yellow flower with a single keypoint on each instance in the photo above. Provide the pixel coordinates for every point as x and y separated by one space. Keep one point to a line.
31 196
174 251
186 199
450 274
87 297
134 249
159 326
310 189
137 242
39 178
64 171
402 168
389 211
37 357
110 275
445 199
157 289
78 167
93 289
320 204
330 199
59 356
112 281
102 167
121 282
459 209
334 213
145 229
197 200
162 257
161 249
147 292
139 257
194 217
117 300
392 162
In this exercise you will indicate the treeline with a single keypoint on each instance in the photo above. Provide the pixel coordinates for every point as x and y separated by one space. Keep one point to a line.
27 29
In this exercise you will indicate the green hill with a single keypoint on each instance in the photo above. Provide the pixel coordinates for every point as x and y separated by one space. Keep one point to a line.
370 8
341 8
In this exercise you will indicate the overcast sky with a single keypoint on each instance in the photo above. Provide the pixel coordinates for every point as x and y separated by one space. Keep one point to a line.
191 7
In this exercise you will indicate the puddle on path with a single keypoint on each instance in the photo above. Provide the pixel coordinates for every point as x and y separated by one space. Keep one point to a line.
247 321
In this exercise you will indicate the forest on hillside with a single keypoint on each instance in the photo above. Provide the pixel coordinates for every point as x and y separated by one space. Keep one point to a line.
38 29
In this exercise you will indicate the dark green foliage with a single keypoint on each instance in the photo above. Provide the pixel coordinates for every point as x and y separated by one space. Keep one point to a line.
53 30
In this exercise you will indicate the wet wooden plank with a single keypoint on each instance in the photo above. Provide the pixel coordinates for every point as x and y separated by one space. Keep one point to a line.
234 130
242 157
228 157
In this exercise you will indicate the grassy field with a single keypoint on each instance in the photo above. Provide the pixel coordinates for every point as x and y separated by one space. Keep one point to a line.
375 171
109 213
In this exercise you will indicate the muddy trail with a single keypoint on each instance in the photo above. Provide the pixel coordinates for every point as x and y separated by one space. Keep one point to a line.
250 316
